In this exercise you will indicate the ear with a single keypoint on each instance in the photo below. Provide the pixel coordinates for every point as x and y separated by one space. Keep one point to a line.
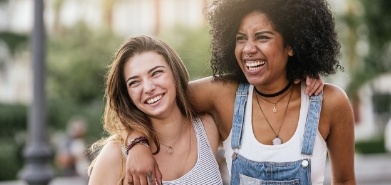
290 51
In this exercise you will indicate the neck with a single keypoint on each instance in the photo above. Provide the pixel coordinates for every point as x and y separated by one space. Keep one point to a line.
168 130
275 92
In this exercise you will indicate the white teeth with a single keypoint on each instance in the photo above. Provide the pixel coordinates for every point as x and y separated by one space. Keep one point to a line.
254 65
155 99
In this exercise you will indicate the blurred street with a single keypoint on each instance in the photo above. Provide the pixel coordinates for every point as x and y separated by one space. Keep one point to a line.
370 170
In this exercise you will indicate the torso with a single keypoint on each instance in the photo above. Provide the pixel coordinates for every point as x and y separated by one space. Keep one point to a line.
253 147
189 164
224 106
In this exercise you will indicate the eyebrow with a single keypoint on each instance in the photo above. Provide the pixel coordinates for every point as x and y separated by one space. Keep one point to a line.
149 71
257 33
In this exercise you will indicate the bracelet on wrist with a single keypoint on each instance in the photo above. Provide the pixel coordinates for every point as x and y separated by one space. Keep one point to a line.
139 140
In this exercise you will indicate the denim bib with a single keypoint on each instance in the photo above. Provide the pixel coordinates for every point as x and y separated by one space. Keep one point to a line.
248 172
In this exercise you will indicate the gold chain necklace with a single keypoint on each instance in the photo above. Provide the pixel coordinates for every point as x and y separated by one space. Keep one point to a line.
170 148
277 140
274 103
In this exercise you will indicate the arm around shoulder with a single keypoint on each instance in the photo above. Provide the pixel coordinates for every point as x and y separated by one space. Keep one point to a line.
340 141
205 94
109 165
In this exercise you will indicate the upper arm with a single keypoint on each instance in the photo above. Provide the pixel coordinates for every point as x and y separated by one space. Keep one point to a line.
340 140
215 98
201 93
109 165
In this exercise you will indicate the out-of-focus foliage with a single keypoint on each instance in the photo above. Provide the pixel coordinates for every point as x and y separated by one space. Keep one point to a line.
192 45
13 121
77 61
374 26
373 146
13 40
10 158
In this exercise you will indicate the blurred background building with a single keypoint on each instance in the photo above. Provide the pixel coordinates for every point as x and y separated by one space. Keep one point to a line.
83 35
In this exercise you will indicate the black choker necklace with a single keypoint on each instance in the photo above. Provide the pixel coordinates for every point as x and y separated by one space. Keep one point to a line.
275 94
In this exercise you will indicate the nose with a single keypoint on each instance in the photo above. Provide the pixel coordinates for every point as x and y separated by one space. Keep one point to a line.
149 86
249 48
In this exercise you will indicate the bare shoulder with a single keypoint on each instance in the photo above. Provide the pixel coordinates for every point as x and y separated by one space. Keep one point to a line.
336 106
110 157
111 152
334 96
209 123
211 131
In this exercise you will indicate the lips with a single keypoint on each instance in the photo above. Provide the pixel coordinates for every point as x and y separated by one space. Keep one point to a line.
253 65
154 99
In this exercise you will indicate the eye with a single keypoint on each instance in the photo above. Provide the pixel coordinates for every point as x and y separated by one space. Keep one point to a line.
133 83
240 38
262 37
157 72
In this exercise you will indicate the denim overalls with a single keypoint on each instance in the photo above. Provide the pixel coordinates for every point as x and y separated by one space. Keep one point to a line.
248 172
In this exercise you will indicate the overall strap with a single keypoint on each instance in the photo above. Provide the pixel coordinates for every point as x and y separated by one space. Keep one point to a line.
311 125
238 116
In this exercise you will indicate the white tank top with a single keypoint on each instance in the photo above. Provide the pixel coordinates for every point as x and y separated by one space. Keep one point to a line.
288 151
206 169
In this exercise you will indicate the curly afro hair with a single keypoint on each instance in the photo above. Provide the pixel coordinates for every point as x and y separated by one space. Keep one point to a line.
307 26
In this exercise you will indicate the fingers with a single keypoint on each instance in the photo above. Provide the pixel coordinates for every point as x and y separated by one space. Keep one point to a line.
158 175
319 88
150 179
130 180
136 178
310 82
296 81
314 86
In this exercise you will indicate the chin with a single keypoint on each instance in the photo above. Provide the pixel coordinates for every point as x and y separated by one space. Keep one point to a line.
253 80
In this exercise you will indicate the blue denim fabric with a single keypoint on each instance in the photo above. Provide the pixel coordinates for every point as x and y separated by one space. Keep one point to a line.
248 172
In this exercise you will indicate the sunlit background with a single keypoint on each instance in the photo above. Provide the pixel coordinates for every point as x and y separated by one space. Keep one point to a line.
83 35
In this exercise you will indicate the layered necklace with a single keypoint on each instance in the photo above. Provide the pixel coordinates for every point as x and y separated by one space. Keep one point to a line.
170 148
277 140
274 95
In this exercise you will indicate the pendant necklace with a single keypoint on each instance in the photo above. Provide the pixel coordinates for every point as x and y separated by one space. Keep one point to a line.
170 148
274 103
277 140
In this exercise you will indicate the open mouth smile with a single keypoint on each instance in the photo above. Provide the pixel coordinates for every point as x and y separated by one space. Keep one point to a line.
253 65
153 100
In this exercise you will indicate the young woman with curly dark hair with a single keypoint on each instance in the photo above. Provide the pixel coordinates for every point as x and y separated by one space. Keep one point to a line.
273 132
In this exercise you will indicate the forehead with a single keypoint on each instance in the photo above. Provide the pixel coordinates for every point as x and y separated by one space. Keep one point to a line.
143 62
255 20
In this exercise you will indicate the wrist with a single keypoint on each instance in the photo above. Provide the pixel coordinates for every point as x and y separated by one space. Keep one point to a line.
142 140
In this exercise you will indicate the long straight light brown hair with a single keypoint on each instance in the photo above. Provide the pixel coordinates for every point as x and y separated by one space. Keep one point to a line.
120 110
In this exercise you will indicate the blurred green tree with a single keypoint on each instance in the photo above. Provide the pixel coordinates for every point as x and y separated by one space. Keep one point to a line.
374 27
77 61
192 45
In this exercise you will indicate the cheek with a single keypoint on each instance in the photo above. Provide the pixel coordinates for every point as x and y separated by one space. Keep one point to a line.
238 52
134 95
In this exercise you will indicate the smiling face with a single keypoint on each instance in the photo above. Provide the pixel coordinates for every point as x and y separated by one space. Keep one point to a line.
150 84
260 51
